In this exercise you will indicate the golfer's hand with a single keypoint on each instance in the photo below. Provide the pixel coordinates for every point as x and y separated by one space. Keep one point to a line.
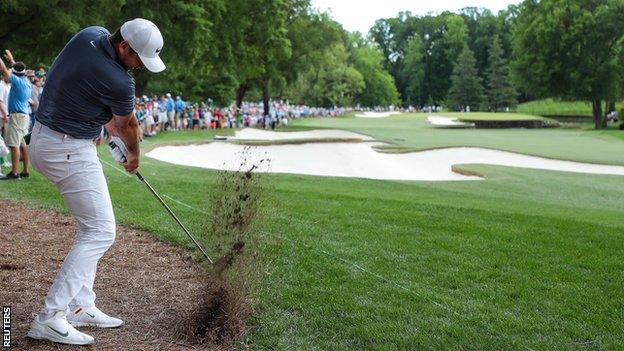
132 165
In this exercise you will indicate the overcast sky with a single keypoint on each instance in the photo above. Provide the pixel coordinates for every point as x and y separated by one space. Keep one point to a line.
360 15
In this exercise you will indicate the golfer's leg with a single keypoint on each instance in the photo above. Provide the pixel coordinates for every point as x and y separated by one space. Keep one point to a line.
86 194
85 297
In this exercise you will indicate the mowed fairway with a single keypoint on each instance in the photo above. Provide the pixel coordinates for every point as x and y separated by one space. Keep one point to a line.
525 259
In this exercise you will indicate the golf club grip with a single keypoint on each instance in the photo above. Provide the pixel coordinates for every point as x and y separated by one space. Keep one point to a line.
172 214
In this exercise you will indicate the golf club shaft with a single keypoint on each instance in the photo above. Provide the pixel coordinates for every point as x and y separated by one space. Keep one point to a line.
173 215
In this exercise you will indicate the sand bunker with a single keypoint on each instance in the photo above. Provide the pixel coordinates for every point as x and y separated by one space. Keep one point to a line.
447 122
360 160
259 134
376 114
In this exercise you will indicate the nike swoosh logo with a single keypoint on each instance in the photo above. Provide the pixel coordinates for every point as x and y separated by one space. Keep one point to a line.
93 44
66 334
90 315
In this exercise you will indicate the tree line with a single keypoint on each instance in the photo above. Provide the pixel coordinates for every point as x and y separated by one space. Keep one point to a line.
223 49
566 49
235 50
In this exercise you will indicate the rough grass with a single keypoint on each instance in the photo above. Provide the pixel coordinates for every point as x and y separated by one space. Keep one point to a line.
551 107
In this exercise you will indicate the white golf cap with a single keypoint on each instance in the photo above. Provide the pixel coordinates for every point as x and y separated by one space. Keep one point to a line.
145 38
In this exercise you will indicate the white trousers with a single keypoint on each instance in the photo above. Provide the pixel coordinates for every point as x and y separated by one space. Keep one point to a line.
74 168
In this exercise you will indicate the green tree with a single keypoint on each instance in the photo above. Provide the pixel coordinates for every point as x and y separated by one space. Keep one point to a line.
379 88
444 52
337 83
310 33
500 94
442 40
190 46
36 30
482 27
466 89
391 36
570 49
259 43
330 67
413 71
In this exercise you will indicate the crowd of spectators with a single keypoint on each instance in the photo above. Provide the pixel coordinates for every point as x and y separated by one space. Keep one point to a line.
164 113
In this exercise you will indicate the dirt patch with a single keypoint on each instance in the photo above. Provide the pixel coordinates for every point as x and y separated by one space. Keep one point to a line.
226 260
9 267
459 170
166 299
221 320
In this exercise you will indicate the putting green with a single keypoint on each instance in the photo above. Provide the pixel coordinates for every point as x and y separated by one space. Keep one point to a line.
409 132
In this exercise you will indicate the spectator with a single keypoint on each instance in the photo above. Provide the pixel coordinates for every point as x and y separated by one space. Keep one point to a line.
37 87
217 118
138 114
4 115
207 118
149 118
201 112
41 74
195 117
19 120
180 105
155 113
162 113
170 112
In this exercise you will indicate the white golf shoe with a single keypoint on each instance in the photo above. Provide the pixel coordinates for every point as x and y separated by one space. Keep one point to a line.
57 329
92 317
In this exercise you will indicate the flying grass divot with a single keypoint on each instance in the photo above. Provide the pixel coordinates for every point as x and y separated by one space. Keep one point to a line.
235 201
235 204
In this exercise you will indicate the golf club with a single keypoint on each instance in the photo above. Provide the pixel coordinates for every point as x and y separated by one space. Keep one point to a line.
172 214
118 150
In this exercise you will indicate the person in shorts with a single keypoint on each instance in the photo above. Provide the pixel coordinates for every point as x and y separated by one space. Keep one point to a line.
19 119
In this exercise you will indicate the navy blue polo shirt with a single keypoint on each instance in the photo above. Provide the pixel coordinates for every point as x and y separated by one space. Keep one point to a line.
85 86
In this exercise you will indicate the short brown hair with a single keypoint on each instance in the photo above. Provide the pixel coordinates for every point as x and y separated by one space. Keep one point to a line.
116 37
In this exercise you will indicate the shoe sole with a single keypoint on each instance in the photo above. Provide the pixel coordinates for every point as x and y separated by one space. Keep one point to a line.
84 324
38 336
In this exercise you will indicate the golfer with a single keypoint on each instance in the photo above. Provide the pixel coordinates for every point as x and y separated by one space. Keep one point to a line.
88 86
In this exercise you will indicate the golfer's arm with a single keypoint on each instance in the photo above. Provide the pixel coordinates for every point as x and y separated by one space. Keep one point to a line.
127 129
